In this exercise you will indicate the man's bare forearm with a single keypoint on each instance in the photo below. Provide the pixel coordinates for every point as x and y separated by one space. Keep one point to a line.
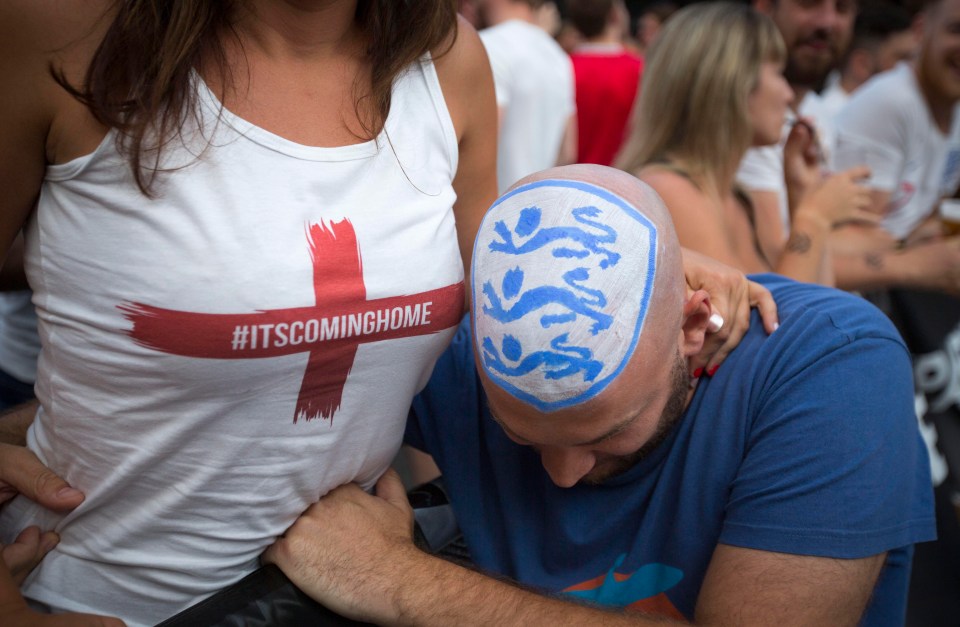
437 592
15 421
867 259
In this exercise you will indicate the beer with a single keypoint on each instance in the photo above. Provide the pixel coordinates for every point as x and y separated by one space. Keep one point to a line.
950 215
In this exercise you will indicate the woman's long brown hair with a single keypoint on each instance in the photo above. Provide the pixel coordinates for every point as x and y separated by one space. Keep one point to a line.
139 80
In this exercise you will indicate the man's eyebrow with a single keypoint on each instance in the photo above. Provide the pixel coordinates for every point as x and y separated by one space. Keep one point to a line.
505 427
622 426
616 430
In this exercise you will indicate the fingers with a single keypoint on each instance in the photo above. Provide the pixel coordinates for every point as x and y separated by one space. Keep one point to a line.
698 363
725 308
29 537
841 199
811 143
80 620
715 323
761 298
800 137
271 555
738 324
390 488
20 468
858 173
27 550
712 342
866 216
718 347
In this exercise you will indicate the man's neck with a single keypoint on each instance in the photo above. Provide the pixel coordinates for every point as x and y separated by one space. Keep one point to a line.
941 107
609 37
511 11
848 84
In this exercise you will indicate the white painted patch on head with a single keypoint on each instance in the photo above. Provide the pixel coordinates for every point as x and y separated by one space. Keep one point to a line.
562 277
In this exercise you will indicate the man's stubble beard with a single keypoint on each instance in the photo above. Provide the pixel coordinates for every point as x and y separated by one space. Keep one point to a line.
812 75
669 417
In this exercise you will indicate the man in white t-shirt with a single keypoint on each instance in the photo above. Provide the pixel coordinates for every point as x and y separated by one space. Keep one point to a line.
905 124
882 37
905 121
535 90
913 153
817 34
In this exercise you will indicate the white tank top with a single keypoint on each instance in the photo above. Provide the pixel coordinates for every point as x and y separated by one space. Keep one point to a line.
218 357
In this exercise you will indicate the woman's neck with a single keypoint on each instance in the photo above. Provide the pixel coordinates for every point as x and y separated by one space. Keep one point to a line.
299 29
720 183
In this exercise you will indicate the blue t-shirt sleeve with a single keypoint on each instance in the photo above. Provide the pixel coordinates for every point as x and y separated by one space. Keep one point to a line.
450 401
833 465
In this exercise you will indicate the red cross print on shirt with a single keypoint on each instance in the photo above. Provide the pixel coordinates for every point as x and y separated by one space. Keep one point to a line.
330 331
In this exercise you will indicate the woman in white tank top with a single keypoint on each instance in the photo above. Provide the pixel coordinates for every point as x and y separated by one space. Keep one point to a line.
244 225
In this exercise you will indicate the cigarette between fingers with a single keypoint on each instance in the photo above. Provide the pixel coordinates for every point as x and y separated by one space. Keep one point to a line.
715 323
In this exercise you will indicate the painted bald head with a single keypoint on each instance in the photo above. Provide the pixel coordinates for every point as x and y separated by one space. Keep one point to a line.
577 278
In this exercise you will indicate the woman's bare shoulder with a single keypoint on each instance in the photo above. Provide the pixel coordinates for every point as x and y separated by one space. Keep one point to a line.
42 42
52 29
670 181
39 38
690 206
464 73
461 51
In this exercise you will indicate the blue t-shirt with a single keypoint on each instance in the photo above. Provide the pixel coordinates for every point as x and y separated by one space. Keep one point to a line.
803 442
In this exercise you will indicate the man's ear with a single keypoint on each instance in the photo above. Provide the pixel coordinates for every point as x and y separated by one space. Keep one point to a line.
919 24
860 63
696 316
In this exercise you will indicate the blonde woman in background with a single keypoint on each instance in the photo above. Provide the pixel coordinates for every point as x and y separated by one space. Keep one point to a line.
704 100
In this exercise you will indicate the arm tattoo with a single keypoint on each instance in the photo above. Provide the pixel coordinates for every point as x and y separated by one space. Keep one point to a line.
799 242
874 260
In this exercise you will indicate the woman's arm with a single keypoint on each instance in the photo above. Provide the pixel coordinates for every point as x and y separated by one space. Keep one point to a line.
40 122
25 115
806 254
817 206
467 83
929 265
839 200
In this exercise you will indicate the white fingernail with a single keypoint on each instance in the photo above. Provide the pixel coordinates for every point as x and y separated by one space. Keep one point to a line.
715 323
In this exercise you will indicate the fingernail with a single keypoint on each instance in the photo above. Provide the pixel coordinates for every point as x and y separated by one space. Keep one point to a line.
776 325
698 373
48 543
68 493
713 370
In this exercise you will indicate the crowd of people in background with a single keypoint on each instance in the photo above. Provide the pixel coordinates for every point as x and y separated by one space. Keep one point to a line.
815 139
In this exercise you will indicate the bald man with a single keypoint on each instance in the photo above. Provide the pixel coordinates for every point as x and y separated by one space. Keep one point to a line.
585 462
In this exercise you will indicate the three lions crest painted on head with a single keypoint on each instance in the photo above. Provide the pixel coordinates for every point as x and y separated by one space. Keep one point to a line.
563 273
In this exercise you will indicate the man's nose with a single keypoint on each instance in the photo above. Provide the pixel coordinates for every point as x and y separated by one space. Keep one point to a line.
566 466
827 17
